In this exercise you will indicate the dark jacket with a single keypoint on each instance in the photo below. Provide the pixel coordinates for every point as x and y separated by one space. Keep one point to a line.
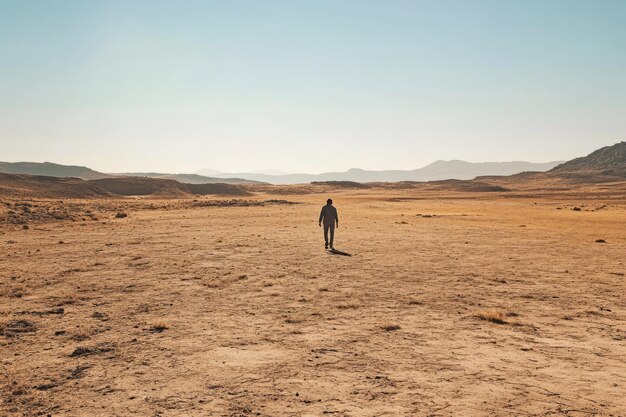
329 215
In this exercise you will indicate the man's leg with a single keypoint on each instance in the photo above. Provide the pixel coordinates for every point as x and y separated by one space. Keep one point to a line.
332 235
326 227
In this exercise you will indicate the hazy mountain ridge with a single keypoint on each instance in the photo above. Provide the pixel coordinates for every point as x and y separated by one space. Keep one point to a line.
438 170
605 165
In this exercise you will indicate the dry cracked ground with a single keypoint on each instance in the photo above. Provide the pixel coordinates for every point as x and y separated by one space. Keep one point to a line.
469 305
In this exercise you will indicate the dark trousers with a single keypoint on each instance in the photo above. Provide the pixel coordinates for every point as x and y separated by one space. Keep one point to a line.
331 228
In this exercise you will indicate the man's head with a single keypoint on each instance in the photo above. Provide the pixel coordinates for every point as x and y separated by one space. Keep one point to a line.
329 201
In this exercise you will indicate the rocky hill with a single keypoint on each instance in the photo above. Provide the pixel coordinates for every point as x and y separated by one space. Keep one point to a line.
30 186
48 169
33 186
143 186
605 163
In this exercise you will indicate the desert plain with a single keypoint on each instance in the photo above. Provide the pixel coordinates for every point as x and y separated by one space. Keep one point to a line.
451 304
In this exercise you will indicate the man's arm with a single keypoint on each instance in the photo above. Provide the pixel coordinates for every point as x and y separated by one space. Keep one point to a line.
337 217
321 216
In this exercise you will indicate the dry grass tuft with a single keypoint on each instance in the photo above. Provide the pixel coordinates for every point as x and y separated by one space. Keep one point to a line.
350 306
12 328
391 327
83 331
493 316
12 292
20 396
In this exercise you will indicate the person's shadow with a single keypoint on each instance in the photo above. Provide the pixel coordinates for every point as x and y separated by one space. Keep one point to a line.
338 252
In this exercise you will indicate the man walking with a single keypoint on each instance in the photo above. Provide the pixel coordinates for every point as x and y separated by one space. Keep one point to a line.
330 218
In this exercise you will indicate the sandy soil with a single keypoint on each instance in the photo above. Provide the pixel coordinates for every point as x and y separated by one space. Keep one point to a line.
472 305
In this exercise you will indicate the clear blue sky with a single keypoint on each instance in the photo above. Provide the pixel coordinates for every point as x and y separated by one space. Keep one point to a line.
308 86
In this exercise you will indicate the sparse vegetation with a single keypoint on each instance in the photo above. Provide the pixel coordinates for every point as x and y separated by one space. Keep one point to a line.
492 315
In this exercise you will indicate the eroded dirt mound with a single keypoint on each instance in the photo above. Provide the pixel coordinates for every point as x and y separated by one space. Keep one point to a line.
127 186
32 186
471 186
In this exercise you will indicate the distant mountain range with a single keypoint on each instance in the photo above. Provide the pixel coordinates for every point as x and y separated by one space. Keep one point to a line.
439 170
605 163
47 180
